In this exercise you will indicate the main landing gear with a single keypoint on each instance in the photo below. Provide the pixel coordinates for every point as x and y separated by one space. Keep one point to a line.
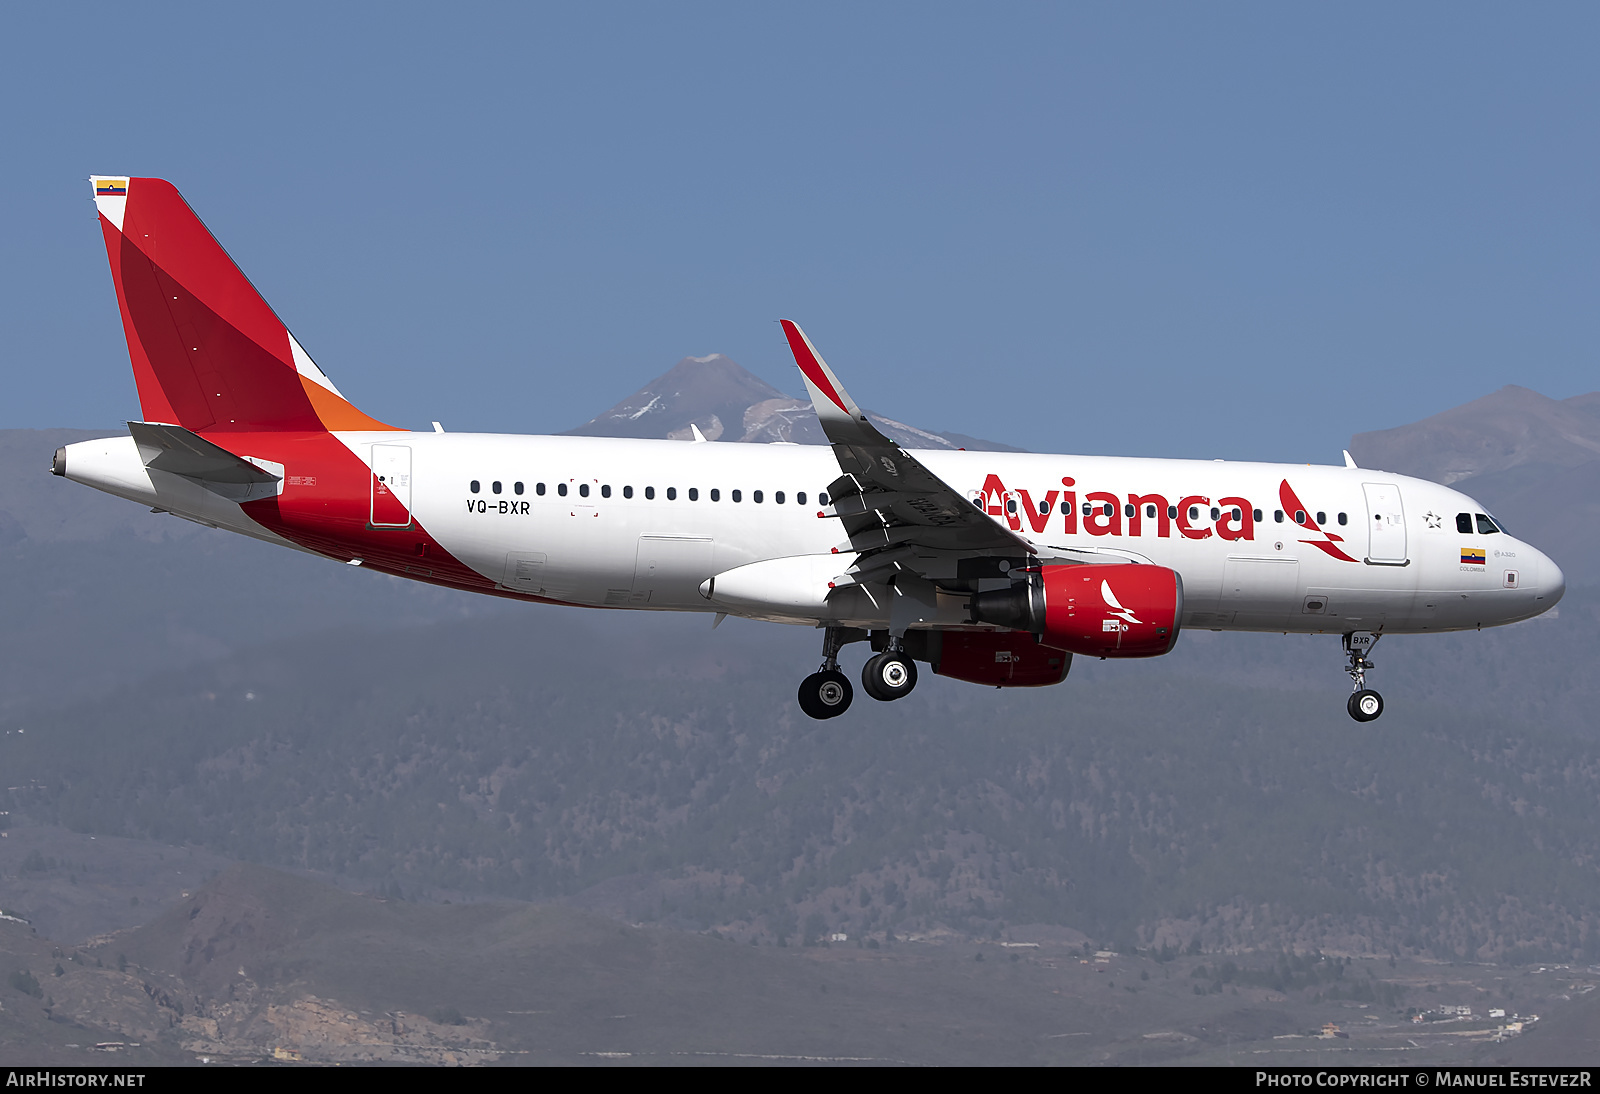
826 693
1365 705
887 676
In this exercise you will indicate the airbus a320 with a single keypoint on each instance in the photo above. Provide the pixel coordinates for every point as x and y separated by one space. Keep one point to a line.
994 568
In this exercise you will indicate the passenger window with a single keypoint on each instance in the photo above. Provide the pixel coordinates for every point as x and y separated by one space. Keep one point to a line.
756 497
1128 510
1066 510
736 495
1343 519
1256 516
605 491
716 495
583 489
777 498
561 488
650 493
1485 525
627 491
1215 512
1299 516
1044 509
516 488
1464 523
1150 511
1108 509
694 493
1088 510
1194 512
539 489
474 486
1172 512
800 498
1237 515
1277 515
1322 518
495 487
1011 505
822 497
672 493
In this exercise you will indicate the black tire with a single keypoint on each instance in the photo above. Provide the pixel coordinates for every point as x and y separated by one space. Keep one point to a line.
1365 706
825 694
889 676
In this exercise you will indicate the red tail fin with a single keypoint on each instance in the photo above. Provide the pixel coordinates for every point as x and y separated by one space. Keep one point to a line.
208 353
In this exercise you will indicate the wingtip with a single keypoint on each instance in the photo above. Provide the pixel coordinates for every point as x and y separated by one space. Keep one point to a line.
827 394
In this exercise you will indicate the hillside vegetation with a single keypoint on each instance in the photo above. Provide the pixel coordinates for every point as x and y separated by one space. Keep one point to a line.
662 773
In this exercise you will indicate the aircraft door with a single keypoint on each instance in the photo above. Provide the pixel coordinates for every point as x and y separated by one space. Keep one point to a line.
1386 524
391 486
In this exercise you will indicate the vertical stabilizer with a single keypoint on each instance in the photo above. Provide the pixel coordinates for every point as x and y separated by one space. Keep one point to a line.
208 352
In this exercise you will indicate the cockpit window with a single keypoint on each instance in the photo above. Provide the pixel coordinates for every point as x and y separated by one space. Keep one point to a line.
1485 525
1464 523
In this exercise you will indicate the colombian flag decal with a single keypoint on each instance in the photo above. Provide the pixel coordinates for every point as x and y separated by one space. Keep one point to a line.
1472 556
111 188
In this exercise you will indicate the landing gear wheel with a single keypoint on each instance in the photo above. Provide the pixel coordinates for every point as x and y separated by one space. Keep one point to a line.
889 676
1365 705
825 694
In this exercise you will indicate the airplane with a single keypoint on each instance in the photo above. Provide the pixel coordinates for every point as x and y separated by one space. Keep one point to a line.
992 568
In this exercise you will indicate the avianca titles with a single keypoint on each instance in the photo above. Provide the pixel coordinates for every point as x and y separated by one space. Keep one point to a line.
993 568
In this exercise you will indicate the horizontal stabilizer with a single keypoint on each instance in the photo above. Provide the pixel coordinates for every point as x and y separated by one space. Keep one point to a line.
176 450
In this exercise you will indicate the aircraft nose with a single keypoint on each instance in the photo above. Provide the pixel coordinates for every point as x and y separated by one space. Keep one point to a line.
1552 583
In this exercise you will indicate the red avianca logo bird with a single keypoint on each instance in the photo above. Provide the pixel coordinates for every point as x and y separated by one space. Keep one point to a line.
1302 516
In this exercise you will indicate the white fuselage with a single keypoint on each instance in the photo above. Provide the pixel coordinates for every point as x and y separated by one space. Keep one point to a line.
643 524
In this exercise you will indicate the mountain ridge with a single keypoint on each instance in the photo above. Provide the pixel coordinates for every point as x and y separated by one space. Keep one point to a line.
727 402
1533 461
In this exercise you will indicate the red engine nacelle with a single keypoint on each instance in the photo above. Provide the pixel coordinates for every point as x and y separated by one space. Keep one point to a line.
1112 611
1002 659
1100 611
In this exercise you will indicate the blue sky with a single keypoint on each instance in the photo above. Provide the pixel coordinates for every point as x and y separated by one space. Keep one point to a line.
1227 230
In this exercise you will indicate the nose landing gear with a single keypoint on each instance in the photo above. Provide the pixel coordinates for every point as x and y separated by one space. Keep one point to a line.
1365 705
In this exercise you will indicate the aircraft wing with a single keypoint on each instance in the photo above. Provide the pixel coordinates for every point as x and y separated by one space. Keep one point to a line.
892 507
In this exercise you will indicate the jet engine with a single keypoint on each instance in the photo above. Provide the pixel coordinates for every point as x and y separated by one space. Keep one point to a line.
1099 611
